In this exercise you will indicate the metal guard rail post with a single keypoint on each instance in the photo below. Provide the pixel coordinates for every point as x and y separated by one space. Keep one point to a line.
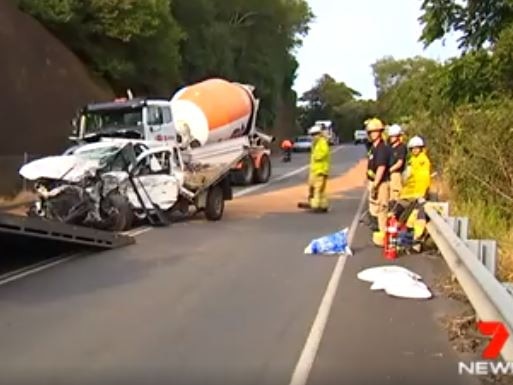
489 298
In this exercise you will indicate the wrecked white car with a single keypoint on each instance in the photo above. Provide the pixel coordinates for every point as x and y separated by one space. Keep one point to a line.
110 183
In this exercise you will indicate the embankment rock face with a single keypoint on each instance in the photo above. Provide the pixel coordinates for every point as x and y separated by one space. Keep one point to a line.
42 84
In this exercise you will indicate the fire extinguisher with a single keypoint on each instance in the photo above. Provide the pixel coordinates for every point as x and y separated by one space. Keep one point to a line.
391 234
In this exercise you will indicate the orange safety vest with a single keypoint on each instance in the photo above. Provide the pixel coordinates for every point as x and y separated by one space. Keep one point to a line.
286 144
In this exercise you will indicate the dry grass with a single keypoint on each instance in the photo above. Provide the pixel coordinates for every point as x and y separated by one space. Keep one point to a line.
461 328
485 222
449 286
506 257
463 334
440 189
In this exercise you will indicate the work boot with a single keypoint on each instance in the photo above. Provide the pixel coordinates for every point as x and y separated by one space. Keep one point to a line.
304 205
320 210
378 238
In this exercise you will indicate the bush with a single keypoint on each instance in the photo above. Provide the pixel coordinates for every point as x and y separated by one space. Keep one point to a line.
472 147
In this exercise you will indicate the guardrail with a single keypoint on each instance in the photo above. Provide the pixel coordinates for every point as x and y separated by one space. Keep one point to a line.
473 264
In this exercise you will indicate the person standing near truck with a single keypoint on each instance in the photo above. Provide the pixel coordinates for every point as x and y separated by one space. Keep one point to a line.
320 162
398 154
286 147
378 174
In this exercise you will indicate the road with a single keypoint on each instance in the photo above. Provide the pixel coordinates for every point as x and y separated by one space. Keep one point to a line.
227 302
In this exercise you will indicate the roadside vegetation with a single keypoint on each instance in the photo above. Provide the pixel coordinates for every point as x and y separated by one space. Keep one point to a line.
463 108
156 46
332 100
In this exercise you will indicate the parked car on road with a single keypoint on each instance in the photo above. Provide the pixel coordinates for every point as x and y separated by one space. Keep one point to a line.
302 144
360 137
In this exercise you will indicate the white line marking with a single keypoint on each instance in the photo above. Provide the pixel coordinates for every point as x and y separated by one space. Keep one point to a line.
299 170
138 231
25 272
307 358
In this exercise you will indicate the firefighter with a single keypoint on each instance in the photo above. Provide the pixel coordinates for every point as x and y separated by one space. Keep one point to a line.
379 176
415 191
320 159
398 154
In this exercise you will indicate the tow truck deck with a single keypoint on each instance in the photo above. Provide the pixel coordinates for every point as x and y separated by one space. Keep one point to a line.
11 224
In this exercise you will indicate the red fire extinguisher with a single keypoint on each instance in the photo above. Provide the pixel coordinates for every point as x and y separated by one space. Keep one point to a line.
391 234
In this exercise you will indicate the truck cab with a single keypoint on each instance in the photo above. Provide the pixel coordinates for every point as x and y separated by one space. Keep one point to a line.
140 119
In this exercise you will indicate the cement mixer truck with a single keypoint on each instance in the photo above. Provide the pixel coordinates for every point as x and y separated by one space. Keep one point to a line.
198 115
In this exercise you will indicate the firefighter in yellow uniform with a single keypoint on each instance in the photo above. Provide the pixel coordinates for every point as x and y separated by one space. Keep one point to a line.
320 160
415 190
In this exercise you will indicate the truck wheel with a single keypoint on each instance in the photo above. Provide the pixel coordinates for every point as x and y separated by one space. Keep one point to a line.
120 213
244 176
215 204
263 173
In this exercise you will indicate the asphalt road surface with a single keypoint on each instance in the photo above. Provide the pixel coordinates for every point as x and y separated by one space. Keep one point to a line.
232 302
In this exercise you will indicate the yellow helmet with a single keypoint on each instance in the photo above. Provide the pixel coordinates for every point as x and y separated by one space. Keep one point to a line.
374 125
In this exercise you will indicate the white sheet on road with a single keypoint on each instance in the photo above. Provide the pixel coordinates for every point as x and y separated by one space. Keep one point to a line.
396 281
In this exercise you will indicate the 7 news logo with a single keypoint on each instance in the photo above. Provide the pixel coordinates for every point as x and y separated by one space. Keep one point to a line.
499 336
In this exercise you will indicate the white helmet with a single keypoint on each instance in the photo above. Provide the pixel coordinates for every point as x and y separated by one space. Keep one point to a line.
395 130
416 141
314 130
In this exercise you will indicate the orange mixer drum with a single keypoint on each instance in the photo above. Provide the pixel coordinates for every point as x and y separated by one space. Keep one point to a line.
213 110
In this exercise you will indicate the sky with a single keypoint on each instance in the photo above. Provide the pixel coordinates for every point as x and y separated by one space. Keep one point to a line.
348 36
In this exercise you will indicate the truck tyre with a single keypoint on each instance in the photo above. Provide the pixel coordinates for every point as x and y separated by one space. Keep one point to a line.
244 176
122 217
263 173
214 208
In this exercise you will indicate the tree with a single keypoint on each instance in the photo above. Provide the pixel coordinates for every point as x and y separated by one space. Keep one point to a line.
480 22
332 100
156 46
405 85
389 72
131 43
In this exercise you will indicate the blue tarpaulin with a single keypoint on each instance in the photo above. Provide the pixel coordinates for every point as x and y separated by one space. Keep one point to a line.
335 243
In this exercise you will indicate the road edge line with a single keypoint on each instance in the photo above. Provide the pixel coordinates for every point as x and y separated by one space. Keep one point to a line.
309 353
30 270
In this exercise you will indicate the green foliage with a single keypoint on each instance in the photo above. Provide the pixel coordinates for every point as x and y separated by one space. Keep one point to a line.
405 86
131 43
409 87
474 147
332 100
470 78
478 22
463 109
503 60
155 46
389 72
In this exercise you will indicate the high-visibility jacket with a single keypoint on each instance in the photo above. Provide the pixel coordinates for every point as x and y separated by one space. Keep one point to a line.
320 157
418 177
